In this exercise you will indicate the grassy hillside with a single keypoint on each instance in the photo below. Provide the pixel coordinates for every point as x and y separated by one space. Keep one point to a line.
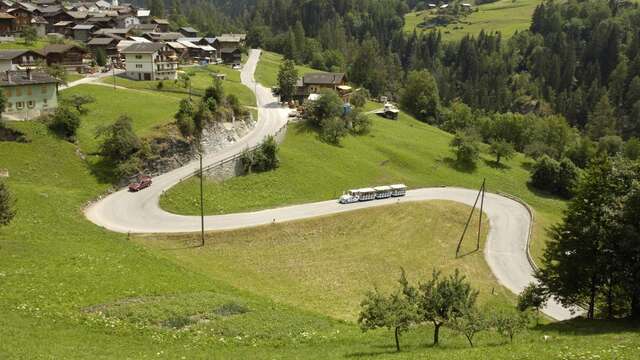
406 151
146 109
69 289
506 16
268 66
327 264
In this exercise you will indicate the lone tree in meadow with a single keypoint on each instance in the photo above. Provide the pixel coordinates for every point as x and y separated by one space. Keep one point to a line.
7 205
532 297
441 300
466 149
509 323
394 312
287 78
78 101
470 323
502 150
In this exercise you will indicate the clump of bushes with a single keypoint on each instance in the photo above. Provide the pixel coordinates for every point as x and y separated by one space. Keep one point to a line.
264 158
556 177
333 119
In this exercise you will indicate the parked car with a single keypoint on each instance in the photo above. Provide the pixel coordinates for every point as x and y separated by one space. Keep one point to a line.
142 182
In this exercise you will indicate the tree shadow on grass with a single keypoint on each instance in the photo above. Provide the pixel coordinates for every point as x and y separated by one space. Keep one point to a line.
460 166
102 169
495 165
585 327
542 193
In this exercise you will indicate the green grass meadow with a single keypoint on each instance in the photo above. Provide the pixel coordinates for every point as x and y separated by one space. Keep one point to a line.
506 16
71 290
269 65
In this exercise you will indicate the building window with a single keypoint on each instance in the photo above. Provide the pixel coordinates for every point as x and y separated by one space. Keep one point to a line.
29 90
44 103
9 105
43 89
19 105
138 66
31 104
18 91
138 56
7 92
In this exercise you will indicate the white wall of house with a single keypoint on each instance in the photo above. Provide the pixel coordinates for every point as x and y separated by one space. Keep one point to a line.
145 67
30 101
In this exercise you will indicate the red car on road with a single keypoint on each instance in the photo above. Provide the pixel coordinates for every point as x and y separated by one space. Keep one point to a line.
143 182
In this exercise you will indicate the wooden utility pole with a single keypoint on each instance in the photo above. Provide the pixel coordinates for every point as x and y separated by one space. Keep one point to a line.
201 205
482 189
480 192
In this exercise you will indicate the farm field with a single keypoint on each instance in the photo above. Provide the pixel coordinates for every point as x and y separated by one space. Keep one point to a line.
70 289
506 16
268 66
404 151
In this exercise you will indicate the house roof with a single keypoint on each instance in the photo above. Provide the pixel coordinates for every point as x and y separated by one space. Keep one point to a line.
138 48
207 48
39 20
176 45
109 31
160 21
188 29
12 54
168 36
228 38
138 39
83 27
229 50
4 15
323 78
78 14
145 27
63 23
60 48
143 12
22 78
190 39
103 4
101 41
187 44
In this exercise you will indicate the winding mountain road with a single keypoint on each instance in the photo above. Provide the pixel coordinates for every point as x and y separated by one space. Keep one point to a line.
122 211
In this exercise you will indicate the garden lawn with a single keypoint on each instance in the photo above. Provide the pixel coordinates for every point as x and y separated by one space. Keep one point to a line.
506 16
403 151
269 65
201 79
147 109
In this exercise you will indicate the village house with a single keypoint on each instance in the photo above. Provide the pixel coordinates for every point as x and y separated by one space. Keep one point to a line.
128 21
150 61
188 32
64 28
229 41
40 25
230 55
29 94
7 24
83 32
22 16
108 44
145 28
163 24
12 59
144 15
69 56
314 83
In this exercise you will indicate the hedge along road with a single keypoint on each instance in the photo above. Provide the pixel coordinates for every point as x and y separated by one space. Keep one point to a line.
122 211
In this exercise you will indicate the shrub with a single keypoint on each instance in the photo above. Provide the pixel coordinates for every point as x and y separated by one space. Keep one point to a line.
78 101
332 130
509 323
360 123
120 142
555 177
502 149
358 99
65 123
160 85
465 148
632 149
7 205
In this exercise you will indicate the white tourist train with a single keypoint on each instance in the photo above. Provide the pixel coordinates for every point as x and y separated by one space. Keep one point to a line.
378 192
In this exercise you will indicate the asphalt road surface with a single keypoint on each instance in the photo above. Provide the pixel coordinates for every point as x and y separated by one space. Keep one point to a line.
122 211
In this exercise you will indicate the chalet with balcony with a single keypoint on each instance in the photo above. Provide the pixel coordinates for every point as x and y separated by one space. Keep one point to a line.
314 83
70 56
13 59
150 61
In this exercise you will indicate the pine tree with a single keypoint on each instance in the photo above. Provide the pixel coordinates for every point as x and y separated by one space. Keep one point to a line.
602 121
